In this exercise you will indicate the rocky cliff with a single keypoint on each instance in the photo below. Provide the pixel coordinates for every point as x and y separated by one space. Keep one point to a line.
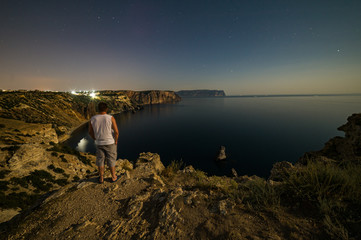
341 149
66 111
201 93
152 97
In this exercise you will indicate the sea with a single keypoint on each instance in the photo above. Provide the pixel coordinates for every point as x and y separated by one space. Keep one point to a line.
256 131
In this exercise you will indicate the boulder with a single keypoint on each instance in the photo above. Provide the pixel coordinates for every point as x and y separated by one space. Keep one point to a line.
149 163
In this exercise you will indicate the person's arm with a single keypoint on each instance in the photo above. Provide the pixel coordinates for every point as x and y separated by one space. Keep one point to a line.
91 131
115 128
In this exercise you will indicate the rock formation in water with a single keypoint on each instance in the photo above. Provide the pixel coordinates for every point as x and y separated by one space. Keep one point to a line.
201 93
222 154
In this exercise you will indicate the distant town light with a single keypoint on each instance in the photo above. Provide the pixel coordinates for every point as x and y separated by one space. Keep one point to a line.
92 94
73 92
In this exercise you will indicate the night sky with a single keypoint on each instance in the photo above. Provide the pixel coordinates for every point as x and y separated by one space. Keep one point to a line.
243 47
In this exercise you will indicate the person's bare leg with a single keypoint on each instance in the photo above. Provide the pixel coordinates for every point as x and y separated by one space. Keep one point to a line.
101 173
112 171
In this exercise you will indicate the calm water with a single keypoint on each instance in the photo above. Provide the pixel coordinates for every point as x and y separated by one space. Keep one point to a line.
256 131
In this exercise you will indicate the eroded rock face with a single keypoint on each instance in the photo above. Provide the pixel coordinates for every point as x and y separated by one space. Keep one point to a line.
153 97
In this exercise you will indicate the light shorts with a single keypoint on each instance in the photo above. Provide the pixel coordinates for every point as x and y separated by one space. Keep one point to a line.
106 153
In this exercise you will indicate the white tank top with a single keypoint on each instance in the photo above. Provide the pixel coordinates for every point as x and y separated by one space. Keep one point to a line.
102 126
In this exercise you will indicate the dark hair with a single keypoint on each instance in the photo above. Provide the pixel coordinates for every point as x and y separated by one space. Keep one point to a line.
102 107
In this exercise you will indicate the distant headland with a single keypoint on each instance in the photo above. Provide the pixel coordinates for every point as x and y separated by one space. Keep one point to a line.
201 93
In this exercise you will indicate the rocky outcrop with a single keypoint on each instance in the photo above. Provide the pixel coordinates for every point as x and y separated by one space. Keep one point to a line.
201 93
340 149
139 207
31 165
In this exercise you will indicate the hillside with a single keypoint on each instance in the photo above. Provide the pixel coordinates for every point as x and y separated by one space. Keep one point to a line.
33 162
66 111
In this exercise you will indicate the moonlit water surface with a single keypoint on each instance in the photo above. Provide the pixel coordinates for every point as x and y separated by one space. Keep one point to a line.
257 131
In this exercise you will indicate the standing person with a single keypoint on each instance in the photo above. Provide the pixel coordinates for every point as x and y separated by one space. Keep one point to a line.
101 129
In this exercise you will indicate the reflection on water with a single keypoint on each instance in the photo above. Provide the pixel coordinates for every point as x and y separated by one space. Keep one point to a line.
82 145
257 132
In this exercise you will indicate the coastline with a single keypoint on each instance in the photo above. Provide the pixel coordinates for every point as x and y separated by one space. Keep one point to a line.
63 138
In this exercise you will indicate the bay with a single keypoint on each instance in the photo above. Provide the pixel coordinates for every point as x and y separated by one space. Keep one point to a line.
256 131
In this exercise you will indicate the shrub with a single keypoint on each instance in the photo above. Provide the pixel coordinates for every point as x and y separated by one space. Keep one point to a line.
320 183
38 179
2 125
66 175
42 174
257 193
63 159
13 148
62 148
3 173
59 132
61 182
199 175
4 185
51 167
58 170
55 154
333 191
172 168
14 200
225 185
76 178
19 181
